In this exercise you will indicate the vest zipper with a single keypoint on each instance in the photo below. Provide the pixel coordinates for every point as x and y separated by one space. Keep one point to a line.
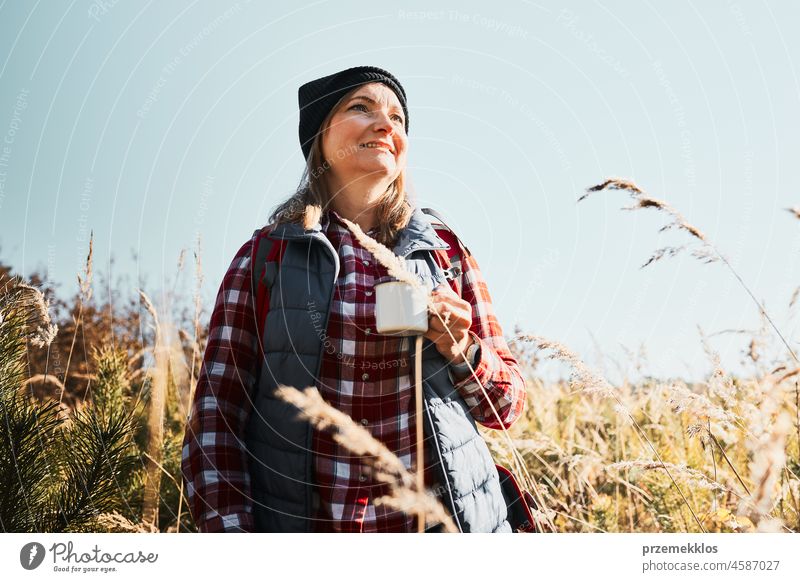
435 273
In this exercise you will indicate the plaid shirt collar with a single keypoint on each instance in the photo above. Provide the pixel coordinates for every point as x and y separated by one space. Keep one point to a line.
418 234
331 218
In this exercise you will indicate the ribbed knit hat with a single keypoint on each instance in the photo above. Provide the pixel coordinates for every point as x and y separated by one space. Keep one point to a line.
316 98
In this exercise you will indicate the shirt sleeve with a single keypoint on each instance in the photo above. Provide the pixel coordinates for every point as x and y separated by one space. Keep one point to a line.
496 369
214 456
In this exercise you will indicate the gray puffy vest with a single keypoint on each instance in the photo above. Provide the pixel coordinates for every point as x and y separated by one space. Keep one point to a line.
294 334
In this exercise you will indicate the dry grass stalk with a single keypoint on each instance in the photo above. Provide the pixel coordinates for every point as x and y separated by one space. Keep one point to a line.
582 377
41 330
196 355
702 481
395 265
47 379
787 375
346 432
797 423
411 501
181 263
699 408
197 298
720 383
85 284
154 448
769 458
387 467
117 523
752 350
85 287
678 221
643 201
769 425
708 252
178 366
697 477
179 369
181 260
600 385
794 297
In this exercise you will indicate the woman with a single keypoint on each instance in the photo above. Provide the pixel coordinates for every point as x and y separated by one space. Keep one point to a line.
249 462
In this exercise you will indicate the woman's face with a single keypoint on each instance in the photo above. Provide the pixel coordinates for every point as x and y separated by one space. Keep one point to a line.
371 115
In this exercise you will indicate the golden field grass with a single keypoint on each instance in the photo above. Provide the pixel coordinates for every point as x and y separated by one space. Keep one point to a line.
101 404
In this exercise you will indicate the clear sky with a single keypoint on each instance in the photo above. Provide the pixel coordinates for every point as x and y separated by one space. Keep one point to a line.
153 122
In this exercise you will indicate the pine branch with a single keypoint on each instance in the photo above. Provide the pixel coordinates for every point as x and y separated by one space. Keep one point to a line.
100 449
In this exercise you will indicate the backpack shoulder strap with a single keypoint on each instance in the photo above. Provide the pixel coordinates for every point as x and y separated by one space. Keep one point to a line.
264 261
456 252
443 224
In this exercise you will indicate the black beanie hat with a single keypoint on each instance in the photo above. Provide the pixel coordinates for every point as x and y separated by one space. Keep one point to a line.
316 98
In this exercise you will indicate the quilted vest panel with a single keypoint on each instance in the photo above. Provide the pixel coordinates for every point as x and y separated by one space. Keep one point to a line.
279 444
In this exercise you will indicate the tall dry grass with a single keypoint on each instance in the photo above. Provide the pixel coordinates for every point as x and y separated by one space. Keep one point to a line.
650 455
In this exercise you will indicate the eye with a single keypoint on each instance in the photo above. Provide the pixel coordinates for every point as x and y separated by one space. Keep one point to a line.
366 109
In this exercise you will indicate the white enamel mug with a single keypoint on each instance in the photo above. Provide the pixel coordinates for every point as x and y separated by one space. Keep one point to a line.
401 309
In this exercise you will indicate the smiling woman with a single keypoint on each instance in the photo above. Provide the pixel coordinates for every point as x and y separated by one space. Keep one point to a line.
251 463
347 111
367 152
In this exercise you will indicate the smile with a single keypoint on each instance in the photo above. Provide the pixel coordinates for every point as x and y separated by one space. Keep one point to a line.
376 146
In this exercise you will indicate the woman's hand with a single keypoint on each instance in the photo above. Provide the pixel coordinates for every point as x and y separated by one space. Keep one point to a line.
445 302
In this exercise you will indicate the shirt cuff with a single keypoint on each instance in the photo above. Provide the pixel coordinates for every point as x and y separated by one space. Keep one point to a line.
231 523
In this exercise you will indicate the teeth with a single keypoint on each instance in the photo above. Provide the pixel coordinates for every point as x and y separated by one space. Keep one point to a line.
372 145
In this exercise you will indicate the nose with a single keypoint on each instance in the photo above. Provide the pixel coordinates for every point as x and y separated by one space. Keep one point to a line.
383 121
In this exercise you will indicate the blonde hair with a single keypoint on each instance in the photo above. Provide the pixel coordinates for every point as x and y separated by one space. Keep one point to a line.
313 195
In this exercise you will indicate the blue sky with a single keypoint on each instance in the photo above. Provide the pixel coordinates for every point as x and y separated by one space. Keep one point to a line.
150 123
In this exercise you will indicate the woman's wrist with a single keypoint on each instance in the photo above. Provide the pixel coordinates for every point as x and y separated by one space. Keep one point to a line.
459 366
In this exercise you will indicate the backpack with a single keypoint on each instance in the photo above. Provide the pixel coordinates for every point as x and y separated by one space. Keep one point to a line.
265 258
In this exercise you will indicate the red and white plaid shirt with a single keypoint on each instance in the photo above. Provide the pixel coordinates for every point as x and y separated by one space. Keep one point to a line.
364 374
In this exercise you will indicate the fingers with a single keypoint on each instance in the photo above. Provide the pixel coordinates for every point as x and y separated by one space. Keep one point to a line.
458 311
448 306
457 322
452 309
449 302
445 293
444 343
